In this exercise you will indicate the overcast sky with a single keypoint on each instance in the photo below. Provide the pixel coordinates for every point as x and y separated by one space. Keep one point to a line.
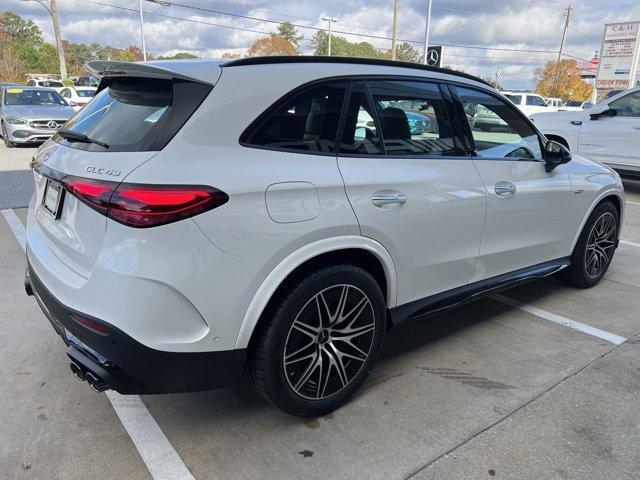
507 24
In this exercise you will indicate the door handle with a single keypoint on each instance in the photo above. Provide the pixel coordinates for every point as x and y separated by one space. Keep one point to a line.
504 189
380 199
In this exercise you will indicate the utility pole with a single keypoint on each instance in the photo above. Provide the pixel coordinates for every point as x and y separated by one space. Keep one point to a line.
56 31
144 47
564 36
497 76
396 3
53 11
330 20
426 34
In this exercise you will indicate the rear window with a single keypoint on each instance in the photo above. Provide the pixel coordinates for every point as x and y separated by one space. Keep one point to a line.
86 93
136 114
50 84
515 98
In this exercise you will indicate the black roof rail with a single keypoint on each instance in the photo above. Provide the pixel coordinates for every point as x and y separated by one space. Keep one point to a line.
359 61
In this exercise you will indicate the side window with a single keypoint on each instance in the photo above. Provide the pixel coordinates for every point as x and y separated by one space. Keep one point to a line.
413 118
65 93
627 106
31 83
306 121
499 130
517 99
360 135
535 101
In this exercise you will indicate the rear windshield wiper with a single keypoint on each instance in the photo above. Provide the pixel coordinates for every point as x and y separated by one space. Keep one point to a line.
79 137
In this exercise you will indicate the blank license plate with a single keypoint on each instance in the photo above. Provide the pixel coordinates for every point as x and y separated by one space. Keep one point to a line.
52 197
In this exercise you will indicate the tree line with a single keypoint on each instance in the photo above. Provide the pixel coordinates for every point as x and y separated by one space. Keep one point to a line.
23 50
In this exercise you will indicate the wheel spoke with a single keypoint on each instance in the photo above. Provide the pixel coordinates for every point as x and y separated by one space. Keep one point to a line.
308 372
305 328
291 357
336 361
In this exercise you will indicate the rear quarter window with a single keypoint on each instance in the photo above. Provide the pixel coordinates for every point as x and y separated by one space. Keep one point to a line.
305 120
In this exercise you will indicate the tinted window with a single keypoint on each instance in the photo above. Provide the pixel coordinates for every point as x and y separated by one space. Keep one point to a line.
413 118
18 96
307 121
85 93
499 130
536 101
627 106
136 114
361 132
517 99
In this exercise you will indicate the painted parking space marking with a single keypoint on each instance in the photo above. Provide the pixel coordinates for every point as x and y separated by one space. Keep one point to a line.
158 454
161 459
16 227
560 320
633 203
631 244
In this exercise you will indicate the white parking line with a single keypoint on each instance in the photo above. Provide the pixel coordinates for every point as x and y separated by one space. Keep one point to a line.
161 459
633 203
16 227
632 244
159 456
552 317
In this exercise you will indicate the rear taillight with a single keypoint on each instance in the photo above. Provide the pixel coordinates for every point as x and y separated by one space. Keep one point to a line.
141 205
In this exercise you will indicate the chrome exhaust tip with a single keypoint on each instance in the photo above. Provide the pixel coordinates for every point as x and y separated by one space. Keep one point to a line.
78 372
96 383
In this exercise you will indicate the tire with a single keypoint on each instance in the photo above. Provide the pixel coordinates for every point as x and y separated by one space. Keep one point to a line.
594 250
324 366
5 137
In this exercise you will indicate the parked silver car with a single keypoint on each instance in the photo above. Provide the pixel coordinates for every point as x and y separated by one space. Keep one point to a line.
31 114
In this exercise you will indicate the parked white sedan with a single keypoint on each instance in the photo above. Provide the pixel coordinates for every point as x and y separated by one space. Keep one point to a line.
609 132
78 97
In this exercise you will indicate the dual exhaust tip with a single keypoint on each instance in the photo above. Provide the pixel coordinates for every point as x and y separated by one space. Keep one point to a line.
84 375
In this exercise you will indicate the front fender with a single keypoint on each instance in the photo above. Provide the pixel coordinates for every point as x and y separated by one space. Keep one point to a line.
605 192
300 256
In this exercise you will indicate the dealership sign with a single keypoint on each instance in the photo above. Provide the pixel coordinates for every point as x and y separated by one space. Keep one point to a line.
618 56
589 69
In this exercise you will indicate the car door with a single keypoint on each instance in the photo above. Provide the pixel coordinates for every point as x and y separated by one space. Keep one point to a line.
614 140
410 184
527 208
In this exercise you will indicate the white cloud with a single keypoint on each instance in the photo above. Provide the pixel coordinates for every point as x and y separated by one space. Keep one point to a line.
516 24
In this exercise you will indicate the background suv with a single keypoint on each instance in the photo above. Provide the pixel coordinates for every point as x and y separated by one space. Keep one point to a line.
197 219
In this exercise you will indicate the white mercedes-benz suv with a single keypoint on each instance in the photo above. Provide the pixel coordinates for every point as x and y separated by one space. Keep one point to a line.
198 219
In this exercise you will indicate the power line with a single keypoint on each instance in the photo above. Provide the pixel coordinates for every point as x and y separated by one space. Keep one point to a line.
377 37
262 32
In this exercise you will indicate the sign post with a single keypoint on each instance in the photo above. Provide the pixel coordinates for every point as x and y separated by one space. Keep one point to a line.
618 56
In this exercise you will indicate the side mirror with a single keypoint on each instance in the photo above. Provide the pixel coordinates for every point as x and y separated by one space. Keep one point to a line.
602 110
555 154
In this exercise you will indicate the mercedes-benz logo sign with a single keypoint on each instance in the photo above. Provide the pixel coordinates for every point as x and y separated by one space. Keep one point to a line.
432 58
52 124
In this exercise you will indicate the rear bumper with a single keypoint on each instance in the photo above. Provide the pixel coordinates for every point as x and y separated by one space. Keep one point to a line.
126 365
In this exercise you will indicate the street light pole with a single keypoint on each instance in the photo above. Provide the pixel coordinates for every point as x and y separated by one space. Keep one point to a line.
395 29
53 11
427 28
330 20
144 47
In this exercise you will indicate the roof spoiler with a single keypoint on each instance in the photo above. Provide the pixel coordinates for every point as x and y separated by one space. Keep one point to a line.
109 68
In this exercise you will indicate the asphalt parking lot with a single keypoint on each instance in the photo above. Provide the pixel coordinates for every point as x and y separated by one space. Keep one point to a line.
541 383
